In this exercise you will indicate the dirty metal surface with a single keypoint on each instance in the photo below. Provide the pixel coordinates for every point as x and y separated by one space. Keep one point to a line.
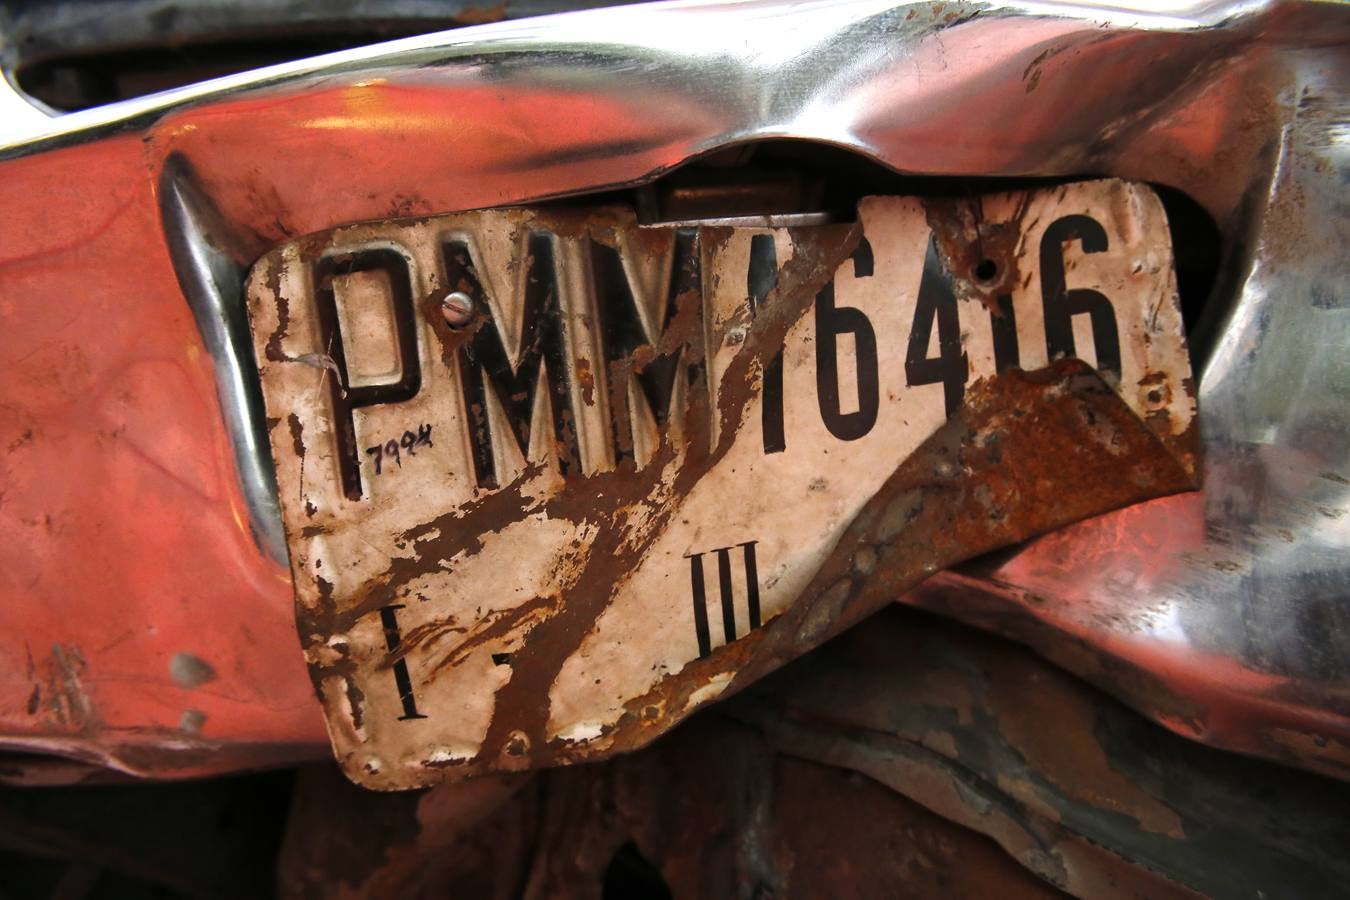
1070 783
551 481
129 519
205 839
713 812
909 757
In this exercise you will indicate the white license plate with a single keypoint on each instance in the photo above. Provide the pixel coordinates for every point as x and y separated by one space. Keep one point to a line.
628 448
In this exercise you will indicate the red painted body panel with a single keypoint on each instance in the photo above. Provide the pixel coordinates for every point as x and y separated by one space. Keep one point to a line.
124 538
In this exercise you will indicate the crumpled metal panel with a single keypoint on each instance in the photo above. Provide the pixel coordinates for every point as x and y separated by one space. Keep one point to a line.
820 779
573 837
1226 614
126 524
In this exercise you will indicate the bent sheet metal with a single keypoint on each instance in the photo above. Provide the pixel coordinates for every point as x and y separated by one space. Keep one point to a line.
552 480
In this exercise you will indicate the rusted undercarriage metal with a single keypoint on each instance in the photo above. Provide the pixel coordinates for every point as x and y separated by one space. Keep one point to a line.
716 808
1262 714
786 791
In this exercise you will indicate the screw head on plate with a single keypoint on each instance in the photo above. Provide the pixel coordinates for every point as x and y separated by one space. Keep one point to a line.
457 309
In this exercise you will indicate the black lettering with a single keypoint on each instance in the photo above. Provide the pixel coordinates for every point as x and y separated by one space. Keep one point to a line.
345 397
1062 305
728 596
832 321
700 605
624 334
751 581
760 279
937 305
726 593
484 361
402 680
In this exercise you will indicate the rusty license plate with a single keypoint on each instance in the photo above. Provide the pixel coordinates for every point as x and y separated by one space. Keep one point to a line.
542 472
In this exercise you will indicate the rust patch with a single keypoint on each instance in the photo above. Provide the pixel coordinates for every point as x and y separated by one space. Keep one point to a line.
980 255
481 15
587 380
272 350
297 434
1072 758
931 513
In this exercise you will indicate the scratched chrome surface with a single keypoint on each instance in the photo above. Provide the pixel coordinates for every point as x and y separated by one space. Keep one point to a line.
1223 614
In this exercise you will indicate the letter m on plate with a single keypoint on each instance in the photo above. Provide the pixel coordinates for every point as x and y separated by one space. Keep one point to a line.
493 372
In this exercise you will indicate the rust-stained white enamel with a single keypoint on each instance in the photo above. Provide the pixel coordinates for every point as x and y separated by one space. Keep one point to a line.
524 567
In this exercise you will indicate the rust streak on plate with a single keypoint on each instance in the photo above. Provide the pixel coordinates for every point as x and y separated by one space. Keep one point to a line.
641 466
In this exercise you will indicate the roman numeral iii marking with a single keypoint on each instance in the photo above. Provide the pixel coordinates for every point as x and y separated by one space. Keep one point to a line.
725 593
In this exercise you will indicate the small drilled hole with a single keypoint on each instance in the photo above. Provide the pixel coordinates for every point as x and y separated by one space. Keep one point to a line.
986 270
